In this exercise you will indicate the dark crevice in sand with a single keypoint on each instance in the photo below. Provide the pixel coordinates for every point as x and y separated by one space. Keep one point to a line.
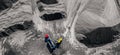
48 2
53 16
99 37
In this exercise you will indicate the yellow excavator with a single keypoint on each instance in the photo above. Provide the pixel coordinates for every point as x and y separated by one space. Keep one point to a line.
59 40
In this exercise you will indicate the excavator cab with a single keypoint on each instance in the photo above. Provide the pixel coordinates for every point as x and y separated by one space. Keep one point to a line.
59 40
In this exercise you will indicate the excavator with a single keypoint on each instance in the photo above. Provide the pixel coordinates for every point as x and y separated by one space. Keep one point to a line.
52 45
69 26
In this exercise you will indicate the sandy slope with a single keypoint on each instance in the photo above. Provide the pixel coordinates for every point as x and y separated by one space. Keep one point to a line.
99 14
94 15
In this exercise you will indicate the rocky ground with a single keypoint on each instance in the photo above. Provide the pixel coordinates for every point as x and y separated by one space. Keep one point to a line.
97 33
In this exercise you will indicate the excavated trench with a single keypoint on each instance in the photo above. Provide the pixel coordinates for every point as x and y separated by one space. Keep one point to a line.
53 16
9 30
4 4
99 37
